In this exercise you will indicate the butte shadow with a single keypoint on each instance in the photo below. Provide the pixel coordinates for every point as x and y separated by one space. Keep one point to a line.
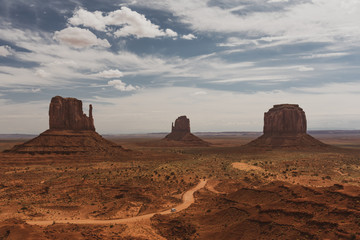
285 127
70 132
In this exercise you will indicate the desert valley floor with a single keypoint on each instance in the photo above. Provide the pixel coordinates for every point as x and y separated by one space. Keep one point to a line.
242 193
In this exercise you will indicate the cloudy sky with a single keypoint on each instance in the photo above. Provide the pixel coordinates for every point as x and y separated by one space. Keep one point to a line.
144 63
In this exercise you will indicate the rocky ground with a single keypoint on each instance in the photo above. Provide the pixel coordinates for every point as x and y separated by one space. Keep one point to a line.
251 194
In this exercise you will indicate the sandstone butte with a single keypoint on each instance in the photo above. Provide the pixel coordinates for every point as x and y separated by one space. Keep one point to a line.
70 132
67 114
285 126
180 132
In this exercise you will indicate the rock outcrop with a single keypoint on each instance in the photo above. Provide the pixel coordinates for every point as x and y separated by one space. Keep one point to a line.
285 126
70 132
67 114
180 132
285 119
182 124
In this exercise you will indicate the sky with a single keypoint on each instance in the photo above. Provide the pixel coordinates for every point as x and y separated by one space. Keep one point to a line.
141 64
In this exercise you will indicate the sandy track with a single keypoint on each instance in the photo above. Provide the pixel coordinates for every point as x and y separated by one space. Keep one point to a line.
246 167
187 198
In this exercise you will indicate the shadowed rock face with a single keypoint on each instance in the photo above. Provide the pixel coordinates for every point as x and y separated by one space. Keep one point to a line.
67 114
285 119
180 132
182 124
71 132
285 126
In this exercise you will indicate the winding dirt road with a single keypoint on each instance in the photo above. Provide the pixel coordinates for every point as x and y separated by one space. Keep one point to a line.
187 198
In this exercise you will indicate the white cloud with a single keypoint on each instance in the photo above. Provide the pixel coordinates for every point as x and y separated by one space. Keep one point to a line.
305 69
189 36
79 38
112 73
235 42
85 18
171 33
41 73
273 78
8 33
35 90
277 1
119 85
66 65
200 93
135 24
332 88
5 51
331 21
122 23
22 90
14 77
326 55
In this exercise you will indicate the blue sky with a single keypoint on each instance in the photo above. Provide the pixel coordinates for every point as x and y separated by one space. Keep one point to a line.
144 63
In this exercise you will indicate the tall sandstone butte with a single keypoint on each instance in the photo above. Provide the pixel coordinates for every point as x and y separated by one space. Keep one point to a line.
70 132
67 114
285 126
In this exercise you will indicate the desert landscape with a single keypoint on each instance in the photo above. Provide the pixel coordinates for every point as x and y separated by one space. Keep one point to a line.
72 183
179 119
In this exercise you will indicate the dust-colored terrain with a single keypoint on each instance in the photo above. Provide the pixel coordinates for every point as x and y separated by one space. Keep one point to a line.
249 193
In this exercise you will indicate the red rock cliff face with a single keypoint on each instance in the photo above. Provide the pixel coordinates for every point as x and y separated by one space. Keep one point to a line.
67 114
182 124
284 119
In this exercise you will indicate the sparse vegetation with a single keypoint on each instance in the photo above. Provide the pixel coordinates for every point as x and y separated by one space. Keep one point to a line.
151 178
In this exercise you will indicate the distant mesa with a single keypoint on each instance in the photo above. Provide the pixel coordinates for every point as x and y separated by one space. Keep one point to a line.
180 132
70 132
285 126
180 129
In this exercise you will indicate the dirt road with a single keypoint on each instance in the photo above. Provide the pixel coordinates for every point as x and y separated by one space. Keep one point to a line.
187 198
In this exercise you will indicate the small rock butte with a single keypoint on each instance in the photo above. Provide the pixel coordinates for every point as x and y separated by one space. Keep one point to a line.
180 132
182 124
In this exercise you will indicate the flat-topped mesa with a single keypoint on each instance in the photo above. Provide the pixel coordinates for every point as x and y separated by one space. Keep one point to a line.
285 119
67 114
182 124
285 126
